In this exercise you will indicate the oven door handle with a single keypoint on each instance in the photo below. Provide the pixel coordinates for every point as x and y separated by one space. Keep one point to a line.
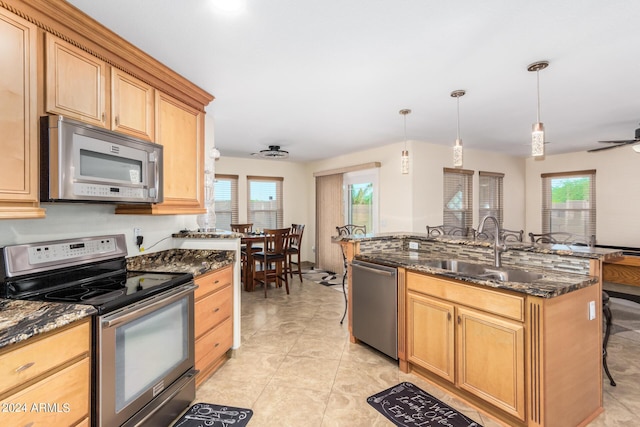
154 303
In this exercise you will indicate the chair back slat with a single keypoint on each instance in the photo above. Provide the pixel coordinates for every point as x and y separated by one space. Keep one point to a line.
563 238
241 228
447 230
351 230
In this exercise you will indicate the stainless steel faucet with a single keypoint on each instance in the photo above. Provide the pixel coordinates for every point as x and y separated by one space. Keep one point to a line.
498 246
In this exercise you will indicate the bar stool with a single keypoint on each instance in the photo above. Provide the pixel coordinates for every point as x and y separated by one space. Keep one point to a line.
606 310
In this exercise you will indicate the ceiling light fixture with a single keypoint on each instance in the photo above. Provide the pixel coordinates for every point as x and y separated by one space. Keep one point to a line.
404 160
273 152
537 135
457 148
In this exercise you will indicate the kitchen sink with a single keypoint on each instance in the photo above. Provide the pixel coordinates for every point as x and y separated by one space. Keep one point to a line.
456 266
485 271
512 275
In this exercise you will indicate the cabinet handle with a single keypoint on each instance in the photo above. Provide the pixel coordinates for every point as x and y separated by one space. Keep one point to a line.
117 120
459 320
217 345
25 367
216 282
449 316
217 309
103 117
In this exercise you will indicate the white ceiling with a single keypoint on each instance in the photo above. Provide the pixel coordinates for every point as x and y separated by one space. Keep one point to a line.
322 78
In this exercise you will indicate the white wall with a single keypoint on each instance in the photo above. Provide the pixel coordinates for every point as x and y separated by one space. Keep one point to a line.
617 192
411 202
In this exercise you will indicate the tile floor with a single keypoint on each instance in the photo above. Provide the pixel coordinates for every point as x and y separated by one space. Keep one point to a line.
296 367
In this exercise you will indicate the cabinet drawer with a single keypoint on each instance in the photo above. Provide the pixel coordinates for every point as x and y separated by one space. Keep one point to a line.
212 309
213 344
59 400
502 304
42 355
210 282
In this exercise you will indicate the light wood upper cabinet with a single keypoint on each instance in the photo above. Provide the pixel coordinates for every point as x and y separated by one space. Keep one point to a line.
132 103
75 83
180 130
18 119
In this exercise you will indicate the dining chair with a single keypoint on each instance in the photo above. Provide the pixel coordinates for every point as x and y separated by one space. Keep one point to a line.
245 258
295 246
242 228
348 230
270 264
447 230
563 238
505 235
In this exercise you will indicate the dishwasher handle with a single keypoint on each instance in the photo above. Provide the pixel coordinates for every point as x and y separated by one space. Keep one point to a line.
375 268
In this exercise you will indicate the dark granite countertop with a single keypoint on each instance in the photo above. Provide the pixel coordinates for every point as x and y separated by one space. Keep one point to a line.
218 234
21 320
194 261
552 284
603 254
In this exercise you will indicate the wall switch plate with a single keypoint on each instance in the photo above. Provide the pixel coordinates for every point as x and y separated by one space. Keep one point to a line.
592 310
413 245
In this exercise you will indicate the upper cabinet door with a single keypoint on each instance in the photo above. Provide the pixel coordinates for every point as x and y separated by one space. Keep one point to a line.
75 83
18 119
132 105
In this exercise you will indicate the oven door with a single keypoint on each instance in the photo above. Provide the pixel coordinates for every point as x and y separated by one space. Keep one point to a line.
142 350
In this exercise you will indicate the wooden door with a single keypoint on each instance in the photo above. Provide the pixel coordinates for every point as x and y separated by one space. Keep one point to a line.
132 104
18 120
491 359
430 335
75 83
329 215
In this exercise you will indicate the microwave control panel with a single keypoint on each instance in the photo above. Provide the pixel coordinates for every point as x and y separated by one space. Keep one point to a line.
98 190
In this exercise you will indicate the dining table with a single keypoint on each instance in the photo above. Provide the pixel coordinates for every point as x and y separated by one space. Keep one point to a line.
248 239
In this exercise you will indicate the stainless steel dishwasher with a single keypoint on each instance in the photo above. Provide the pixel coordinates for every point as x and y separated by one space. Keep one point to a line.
375 306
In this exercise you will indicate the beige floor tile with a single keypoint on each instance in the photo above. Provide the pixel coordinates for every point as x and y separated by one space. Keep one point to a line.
305 372
270 341
289 406
319 347
249 366
227 392
347 410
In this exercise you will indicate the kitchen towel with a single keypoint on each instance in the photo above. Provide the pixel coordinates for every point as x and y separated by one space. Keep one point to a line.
206 414
406 405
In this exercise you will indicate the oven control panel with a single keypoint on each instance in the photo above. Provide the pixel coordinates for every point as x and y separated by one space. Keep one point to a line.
71 250
30 258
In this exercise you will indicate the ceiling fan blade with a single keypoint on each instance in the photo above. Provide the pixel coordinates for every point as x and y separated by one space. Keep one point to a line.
622 141
610 146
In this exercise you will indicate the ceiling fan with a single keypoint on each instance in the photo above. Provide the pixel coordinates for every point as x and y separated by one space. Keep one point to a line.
273 152
620 143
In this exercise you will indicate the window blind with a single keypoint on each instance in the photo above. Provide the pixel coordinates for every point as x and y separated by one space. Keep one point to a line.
264 204
569 202
458 197
226 200
490 198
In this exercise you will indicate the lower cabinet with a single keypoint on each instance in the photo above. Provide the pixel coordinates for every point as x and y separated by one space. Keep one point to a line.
461 334
213 320
45 381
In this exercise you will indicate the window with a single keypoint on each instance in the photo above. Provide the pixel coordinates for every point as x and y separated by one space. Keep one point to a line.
226 200
361 198
265 208
569 202
458 197
491 198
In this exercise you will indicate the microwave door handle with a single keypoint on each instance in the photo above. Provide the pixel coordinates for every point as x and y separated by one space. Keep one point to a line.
156 176
145 307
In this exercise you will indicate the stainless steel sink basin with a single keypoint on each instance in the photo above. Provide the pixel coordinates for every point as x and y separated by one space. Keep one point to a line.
458 266
485 271
512 275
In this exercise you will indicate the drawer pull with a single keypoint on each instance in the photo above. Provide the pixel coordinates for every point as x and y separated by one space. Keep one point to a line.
216 282
30 424
216 310
25 367
217 344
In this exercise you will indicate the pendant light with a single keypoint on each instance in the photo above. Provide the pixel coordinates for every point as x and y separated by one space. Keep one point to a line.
404 160
537 134
457 148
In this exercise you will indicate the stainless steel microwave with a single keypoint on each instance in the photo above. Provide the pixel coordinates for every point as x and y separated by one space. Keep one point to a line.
85 163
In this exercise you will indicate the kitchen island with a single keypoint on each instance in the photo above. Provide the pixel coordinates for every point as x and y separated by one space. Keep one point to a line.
527 352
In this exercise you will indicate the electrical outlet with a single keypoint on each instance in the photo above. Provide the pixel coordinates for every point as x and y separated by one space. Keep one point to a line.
413 245
137 232
592 310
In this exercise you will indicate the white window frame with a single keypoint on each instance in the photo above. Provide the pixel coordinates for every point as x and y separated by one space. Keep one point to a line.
362 177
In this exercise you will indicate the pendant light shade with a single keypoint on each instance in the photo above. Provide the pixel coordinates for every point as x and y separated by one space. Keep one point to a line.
537 133
457 148
404 159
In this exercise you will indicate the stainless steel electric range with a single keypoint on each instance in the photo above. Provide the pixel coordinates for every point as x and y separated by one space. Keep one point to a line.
143 332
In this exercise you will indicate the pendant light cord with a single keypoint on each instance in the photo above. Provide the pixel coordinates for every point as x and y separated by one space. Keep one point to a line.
538 88
405 132
458 121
